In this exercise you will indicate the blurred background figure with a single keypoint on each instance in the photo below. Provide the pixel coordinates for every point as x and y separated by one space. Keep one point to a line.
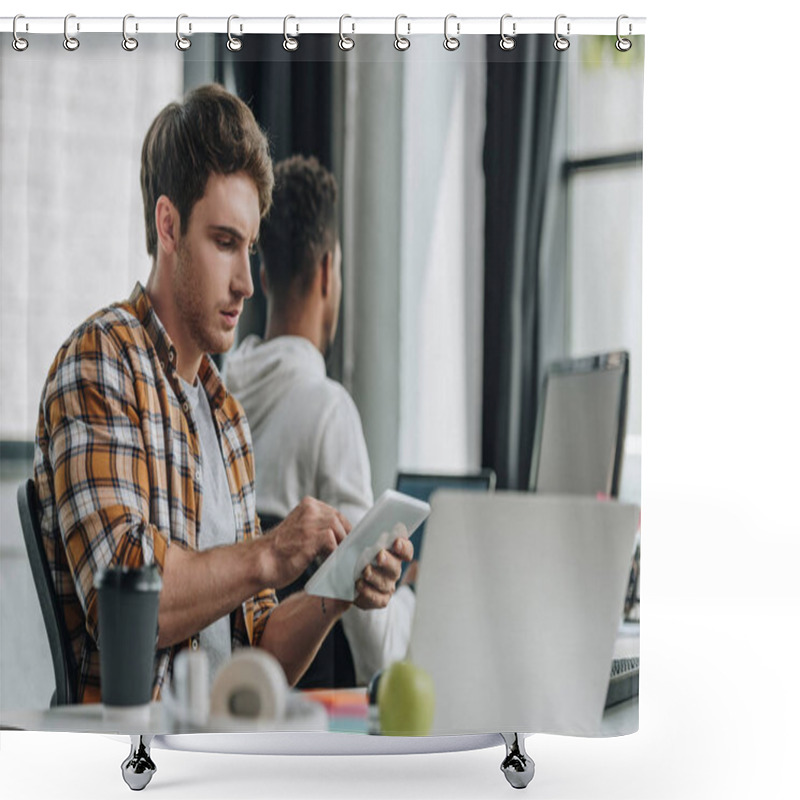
307 433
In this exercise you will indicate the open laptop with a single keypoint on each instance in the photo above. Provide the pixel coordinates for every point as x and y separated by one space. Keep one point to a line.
518 607
579 448
580 426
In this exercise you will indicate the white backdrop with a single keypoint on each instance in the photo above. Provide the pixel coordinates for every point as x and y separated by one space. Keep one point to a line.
720 444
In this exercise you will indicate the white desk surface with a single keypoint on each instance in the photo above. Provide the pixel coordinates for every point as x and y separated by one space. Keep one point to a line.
90 718
621 719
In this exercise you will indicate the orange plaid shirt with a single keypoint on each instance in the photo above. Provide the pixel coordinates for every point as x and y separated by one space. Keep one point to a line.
116 466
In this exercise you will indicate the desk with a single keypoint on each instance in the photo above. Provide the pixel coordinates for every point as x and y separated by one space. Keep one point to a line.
303 735
302 715
318 722
335 736
326 732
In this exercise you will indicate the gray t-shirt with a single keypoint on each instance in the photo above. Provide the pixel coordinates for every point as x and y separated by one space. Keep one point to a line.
217 524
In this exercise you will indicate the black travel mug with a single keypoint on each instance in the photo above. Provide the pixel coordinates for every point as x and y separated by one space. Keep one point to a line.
128 628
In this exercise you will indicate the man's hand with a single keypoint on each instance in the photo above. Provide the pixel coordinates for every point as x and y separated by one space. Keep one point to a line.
312 529
378 581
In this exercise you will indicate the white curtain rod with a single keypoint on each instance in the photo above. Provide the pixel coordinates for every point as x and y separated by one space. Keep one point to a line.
349 26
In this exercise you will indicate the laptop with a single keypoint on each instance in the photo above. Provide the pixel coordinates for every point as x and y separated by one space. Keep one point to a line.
422 485
519 601
579 446
580 426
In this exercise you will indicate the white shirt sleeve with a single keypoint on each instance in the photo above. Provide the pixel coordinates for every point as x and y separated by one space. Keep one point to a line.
380 636
344 480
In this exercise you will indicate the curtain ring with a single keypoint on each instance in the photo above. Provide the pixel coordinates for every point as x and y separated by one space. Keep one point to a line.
233 44
451 42
70 42
401 42
18 43
560 43
128 42
181 42
507 42
289 43
623 45
346 42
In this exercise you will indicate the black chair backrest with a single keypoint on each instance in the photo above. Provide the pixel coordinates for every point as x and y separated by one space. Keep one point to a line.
60 647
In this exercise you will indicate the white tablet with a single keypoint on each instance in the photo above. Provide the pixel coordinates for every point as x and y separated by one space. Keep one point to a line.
339 572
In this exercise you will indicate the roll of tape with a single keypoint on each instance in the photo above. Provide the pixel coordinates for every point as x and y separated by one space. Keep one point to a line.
252 685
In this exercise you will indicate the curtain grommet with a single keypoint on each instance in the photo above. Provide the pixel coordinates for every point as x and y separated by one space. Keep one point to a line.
18 43
507 42
129 43
561 43
451 43
70 43
233 44
346 43
623 45
181 42
401 43
290 44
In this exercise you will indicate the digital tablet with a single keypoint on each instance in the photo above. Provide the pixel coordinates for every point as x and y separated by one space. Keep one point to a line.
338 574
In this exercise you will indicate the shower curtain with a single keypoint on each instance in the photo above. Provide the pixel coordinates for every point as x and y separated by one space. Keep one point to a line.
490 225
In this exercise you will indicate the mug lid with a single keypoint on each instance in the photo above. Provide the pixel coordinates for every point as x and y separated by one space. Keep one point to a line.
137 579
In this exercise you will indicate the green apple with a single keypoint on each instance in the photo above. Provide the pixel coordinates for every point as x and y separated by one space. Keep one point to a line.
405 700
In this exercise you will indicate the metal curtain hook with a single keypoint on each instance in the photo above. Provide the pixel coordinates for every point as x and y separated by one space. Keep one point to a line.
623 45
289 43
128 42
451 42
70 42
346 42
401 42
181 42
507 42
233 44
560 43
18 43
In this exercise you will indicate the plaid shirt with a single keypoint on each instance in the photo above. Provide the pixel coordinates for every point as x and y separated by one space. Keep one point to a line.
116 466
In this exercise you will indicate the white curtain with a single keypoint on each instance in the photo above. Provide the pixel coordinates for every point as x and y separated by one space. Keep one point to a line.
413 252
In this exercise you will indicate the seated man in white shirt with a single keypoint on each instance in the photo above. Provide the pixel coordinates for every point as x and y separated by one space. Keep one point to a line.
307 434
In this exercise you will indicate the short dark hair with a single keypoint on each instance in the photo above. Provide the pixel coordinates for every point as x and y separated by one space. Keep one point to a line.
301 226
210 132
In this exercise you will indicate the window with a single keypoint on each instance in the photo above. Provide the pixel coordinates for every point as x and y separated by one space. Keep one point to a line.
603 169
70 209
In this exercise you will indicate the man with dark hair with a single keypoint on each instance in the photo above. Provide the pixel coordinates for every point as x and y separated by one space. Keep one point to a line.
307 434
301 231
142 456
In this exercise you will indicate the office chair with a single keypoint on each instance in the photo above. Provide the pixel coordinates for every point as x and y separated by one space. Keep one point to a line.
60 647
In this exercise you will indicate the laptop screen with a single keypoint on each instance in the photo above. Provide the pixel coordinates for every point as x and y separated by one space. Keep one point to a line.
581 426
422 486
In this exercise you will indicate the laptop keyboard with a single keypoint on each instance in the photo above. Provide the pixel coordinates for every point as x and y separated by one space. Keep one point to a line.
624 680
619 666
